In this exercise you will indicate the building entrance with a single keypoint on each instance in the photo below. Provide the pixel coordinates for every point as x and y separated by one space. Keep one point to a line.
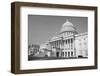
57 54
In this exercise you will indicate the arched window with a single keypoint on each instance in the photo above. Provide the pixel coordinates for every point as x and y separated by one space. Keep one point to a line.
71 53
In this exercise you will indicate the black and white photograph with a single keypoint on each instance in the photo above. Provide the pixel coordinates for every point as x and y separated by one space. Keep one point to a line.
57 37
53 37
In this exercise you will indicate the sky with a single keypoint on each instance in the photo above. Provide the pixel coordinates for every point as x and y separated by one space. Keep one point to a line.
42 28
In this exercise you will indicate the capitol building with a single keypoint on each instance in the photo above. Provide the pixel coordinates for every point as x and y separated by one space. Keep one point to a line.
67 43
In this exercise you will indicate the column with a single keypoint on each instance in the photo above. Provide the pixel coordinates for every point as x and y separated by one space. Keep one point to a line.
54 44
70 54
69 47
64 53
67 53
60 44
51 45
66 44
57 43
74 51
70 44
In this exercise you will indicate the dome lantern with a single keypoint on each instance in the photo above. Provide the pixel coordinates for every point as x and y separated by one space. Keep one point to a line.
67 23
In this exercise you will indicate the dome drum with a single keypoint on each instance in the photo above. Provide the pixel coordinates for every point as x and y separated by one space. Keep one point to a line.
68 27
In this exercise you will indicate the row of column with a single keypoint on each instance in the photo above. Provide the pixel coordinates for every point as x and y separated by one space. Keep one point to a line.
67 54
63 44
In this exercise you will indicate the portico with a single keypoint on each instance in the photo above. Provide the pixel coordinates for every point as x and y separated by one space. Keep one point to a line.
63 43
66 44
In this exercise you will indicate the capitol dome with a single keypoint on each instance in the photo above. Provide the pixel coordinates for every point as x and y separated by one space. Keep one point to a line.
67 27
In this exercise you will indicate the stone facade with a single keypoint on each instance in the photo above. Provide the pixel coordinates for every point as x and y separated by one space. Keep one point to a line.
67 43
